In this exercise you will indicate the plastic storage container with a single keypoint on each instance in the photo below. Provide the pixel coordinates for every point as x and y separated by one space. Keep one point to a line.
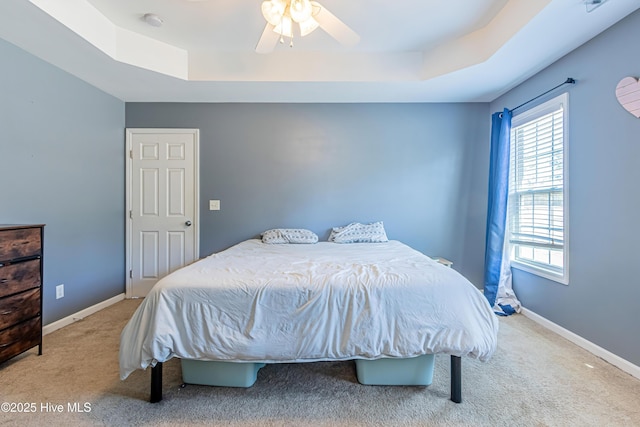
222 374
392 371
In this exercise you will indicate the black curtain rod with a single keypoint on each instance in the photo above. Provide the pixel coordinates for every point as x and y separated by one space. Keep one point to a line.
568 81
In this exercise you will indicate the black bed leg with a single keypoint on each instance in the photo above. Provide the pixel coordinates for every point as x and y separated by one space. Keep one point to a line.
156 383
456 379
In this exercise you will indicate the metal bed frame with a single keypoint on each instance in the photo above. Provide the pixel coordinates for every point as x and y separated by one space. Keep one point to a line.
456 381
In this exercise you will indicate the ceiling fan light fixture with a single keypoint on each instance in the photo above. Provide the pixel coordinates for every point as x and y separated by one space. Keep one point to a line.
308 26
284 27
306 15
300 10
283 13
273 10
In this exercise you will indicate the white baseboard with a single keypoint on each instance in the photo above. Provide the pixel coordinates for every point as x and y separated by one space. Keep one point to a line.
615 360
54 326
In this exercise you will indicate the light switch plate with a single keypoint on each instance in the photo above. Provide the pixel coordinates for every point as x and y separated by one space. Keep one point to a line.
214 205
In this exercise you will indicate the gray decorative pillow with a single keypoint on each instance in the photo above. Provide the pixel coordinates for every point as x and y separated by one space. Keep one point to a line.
289 235
359 233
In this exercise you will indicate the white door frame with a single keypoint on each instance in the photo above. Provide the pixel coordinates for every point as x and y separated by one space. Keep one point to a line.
128 207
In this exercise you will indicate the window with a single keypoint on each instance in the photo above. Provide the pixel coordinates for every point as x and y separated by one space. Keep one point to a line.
537 211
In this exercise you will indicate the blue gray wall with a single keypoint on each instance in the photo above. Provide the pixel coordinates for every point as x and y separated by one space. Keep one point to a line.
602 301
62 164
420 168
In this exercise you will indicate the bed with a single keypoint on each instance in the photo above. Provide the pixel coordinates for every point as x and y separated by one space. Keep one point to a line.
287 303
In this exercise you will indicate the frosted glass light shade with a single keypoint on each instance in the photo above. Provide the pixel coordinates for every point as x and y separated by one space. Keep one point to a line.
273 10
307 27
283 13
300 10
284 27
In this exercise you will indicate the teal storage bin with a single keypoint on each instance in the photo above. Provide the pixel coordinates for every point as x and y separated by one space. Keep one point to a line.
221 374
392 371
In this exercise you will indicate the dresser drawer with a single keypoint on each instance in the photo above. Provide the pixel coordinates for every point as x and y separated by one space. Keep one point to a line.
19 338
19 307
19 243
19 277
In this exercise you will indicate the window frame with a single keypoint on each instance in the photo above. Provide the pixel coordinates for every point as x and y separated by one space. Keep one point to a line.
523 118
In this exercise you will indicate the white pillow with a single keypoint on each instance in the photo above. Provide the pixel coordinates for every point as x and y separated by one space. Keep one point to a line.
359 233
289 235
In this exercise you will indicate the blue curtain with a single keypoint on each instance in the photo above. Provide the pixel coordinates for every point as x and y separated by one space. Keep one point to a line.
497 205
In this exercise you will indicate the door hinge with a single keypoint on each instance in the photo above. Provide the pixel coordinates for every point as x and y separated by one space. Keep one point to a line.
131 154
130 274
130 214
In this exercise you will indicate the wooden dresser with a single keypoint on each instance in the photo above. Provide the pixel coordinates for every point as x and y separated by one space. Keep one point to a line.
20 289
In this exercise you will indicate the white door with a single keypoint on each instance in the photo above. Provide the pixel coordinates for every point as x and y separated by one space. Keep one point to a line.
162 204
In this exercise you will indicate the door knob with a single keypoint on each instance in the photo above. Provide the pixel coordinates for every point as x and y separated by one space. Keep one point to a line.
188 223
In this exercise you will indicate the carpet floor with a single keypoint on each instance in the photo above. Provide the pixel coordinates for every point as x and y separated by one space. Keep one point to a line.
535 378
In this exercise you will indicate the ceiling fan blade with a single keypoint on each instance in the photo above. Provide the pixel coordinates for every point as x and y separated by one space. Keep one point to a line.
334 26
268 40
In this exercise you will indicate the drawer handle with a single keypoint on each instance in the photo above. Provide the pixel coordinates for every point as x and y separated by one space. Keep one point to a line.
4 280
8 344
4 313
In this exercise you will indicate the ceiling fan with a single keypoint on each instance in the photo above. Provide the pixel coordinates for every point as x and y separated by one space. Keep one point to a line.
281 15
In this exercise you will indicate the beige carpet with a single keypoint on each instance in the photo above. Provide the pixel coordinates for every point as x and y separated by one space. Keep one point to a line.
536 378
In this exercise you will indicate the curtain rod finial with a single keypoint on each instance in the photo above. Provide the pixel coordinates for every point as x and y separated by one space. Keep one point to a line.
570 80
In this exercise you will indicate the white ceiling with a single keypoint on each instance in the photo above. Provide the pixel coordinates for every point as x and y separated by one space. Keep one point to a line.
409 51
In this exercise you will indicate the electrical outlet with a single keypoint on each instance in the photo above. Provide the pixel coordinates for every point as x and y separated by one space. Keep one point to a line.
60 291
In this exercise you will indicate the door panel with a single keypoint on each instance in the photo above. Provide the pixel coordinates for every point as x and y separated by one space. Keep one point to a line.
149 255
149 192
175 192
162 203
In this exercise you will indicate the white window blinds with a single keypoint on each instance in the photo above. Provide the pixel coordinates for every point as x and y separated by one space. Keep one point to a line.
536 189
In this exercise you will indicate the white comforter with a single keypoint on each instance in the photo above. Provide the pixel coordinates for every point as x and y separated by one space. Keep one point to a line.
297 303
